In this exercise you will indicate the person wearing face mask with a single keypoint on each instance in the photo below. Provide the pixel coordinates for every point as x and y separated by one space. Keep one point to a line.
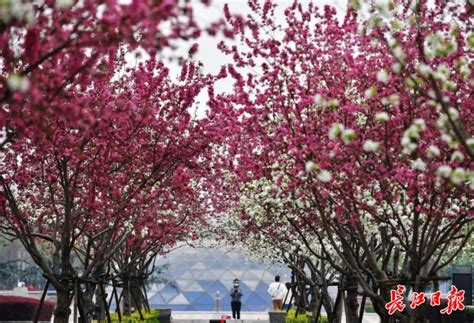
235 299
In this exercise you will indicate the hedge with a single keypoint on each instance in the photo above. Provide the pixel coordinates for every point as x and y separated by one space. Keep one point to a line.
148 317
302 318
15 308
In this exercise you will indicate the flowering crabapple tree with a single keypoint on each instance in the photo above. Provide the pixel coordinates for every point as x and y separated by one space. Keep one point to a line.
350 113
178 216
81 190
48 46
262 223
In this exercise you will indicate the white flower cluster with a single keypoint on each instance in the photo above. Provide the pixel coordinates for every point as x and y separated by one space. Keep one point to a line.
439 44
412 135
320 101
16 10
383 76
418 165
63 4
338 131
382 117
370 92
17 82
322 175
371 146
457 176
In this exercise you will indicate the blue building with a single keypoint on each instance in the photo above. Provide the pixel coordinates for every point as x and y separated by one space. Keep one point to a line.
195 276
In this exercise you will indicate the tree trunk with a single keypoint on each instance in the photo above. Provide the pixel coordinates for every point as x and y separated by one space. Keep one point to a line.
133 293
328 305
88 303
351 303
62 311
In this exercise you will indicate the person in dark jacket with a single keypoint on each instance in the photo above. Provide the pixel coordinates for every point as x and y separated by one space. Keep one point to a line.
235 297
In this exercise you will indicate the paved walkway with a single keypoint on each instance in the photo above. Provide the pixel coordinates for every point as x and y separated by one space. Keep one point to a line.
246 317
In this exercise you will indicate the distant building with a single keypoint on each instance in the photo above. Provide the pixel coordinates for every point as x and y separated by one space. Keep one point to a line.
17 267
194 276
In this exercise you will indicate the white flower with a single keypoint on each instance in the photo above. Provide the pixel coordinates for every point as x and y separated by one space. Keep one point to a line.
409 149
432 151
333 103
371 202
336 131
370 146
457 156
382 76
324 176
470 142
348 135
444 171
382 117
420 124
425 69
63 4
397 67
16 82
412 132
397 24
458 176
392 42
453 113
441 122
418 164
465 71
398 53
310 166
470 179
318 99
446 138
370 92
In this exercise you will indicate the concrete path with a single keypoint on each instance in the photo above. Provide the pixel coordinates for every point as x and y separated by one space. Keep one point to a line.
246 317
255 317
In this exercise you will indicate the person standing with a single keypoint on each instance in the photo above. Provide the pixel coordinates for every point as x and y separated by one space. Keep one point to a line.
277 291
235 299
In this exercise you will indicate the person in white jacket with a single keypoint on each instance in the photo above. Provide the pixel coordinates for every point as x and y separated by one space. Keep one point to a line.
277 291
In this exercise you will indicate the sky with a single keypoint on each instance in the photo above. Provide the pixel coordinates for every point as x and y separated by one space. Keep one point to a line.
211 58
208 53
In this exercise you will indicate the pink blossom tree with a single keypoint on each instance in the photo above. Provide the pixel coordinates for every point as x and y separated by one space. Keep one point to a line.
82 189
369 120
50 46
179 217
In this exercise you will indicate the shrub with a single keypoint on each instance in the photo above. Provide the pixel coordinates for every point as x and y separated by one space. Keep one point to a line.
470 312
369 308
302 318
149 317
15 308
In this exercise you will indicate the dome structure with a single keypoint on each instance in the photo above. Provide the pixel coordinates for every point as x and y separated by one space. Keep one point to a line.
193 277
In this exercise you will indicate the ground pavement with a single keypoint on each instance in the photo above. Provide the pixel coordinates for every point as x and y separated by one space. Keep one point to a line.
246 317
